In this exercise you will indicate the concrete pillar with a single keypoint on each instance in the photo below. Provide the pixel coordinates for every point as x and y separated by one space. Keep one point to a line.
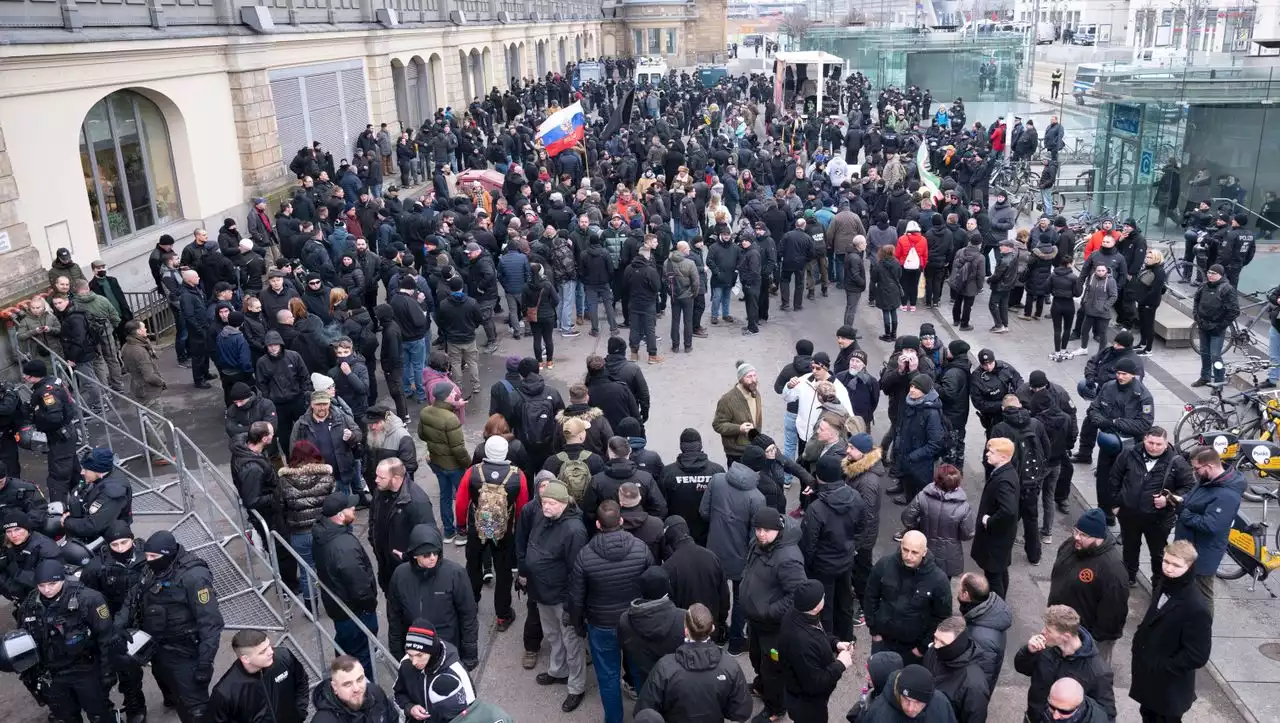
261 160
382 93
21 272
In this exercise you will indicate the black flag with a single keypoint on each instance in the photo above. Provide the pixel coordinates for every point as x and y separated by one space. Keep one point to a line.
621 115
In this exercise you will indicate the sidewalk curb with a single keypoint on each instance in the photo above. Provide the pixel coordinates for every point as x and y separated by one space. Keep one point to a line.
1078 501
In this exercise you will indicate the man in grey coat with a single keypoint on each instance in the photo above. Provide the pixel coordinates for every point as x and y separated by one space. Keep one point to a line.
728 504
682 277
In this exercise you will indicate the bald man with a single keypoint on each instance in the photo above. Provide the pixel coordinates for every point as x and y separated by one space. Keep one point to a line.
194 314
1067 701
907 596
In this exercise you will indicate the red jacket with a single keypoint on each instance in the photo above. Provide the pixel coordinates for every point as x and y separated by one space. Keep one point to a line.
468 495
904 245
997 137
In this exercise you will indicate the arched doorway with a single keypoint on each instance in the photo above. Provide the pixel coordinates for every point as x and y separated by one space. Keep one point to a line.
610 45
399 82
542 58
464 66
128 166
476 69
490 77
564 59
434 96
520 62
577 47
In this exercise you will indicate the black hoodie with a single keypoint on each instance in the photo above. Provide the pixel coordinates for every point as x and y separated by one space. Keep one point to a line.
697 683
605 484
376 708
392 339
957 672
694 571
829 530
441 594
282 689
344 567
799 366
684 481
650 629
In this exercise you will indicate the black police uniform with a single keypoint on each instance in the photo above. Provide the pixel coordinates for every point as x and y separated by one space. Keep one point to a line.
117 577
95 505
179 610
13 414
50 410
18 565
75 637
1128 411
23 496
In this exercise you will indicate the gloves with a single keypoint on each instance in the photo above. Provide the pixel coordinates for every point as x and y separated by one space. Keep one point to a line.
203 673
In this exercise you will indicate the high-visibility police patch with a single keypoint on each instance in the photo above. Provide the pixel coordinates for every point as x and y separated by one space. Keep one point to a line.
1146 409
93 508
103 612
202 596
48 400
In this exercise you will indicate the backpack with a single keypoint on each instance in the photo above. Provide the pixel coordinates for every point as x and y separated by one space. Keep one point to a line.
960 276
537 420
912 262
1057 424
575 473
493 507
1031 459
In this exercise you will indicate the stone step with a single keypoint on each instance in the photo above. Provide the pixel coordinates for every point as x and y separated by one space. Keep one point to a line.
1173 326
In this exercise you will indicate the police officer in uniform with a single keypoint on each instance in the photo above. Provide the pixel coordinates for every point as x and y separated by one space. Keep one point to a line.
1124 408
22 555
73 631
22 496
99 499
179 610
13 414
50 411
115 571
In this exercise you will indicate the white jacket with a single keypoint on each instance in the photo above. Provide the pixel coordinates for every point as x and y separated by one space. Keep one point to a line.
809 407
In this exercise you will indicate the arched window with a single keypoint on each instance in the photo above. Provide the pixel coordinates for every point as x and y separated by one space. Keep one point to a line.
128 166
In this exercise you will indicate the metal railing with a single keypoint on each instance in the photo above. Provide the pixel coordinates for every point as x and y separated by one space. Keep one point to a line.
151 308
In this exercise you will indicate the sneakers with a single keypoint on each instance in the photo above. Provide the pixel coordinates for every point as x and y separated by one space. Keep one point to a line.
450 538
750 332
1063 508
571 333
700 333
656 359
488 577
1200 383
1046 539
730 320
504 623
549 679
1079 352
1133 581
966 327
911 307
551 363
460 539
635 356
1149 352
736 647
1001 330
860 621
629 690
715 321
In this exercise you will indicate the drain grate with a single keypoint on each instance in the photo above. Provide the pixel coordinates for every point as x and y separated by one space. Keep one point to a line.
1271 650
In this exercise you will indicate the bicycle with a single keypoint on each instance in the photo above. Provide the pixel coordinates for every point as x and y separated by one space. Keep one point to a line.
1017 176
1239 334
1247 551
1250 414
1188 271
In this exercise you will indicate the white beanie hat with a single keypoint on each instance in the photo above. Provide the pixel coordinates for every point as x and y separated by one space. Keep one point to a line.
321 382
495 449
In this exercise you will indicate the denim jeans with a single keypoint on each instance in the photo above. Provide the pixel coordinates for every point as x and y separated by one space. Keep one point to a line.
790 437
580 299
600 295
1273 374
301 544
413 357
351 639
180 343
568 299
515 315
606 658
448 480
837 268
1211 354
720 296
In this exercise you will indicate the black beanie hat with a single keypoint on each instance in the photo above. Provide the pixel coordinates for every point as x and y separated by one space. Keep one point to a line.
766 518
35 368
240 391
807 596
938 222
922 382
915 682
16 518
846 332
654 583
828 469
753 457
690 435
958 348
617 345
161 542
50 570
118 530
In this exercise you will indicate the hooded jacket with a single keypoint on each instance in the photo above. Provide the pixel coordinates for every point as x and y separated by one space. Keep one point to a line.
606 578
284 377
829 530
444 688
684 483
810 670
257 409
886 708
1093 582
957 673
1085 665
1205 517
904 604
988 626
947 520
546 551
921 431
441 594
649 630
698 683
277 694
393 441
695 572
598 433
866 476
344 567
393 515
255 479
800 365
376 707
772 573
728 505
953 389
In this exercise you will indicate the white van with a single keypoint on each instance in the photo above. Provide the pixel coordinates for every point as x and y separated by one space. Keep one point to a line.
1045 34
1159 57
650 71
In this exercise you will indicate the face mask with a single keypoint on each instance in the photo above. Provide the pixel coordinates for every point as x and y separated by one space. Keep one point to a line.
160 564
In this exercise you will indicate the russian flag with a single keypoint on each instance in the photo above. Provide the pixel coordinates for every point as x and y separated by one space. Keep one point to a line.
563 129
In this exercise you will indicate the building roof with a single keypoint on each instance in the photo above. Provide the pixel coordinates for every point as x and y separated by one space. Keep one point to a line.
807 57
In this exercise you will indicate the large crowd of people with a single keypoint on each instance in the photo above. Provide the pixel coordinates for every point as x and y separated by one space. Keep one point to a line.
661 569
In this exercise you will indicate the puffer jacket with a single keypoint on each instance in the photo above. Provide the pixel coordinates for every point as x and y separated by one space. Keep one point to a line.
973 256
728 505
1098 296
866 476
946 519
1065 283
606 578
1043 257
698 683
302 490
989 622
829 530
771 575
650 629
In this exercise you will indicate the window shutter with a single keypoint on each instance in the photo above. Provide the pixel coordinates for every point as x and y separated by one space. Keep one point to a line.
324 114
290 120
355 106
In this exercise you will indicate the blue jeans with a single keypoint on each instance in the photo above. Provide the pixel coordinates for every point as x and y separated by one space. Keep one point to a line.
1211 356
837 269
580 299
606 658
1046 200
568 300
790 437
180 343
352 639
737 619
720 296
600 296
414 358
301 544
448 480
1273 374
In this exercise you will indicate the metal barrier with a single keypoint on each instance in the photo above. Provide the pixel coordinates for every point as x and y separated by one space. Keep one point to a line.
1260 222
151 308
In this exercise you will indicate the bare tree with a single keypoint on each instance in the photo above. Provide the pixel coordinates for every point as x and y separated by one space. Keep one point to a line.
797 23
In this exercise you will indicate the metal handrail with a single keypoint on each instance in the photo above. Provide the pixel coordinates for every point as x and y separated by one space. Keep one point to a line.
1237 205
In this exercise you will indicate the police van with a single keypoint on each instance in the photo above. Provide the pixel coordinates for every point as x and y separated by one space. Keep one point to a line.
587 70
650 71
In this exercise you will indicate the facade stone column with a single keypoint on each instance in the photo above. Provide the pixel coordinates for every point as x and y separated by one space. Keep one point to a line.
261 160
382 93
20 270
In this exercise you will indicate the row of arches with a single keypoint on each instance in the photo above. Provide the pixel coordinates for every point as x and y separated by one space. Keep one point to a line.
420 83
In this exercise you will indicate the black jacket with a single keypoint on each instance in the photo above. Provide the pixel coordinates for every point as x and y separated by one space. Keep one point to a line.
282 378
800 365
458 319
414 322
683 483
606 578
277 694
1127 410
771 576
604 486
441 594
697 683
1101 367
1171 643
810 671
1093 582
641 282
1133 487
443 688
377 707
695 572
546 551
18 575
904 605
650 629
953 389
257 409
957 672
255 479
611 397
392 518
344 567
621 369
885 708
829 530
1085 665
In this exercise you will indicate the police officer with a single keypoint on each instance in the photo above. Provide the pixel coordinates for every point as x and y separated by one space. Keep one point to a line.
24 553
988 383
1124 409
115 571
1238 247
50 411
13 414
72 628
178 609
99 499
22 496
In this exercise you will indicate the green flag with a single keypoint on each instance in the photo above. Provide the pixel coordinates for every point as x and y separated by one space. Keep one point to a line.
927 178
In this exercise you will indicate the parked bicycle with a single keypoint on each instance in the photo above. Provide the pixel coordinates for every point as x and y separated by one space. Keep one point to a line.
1251 414
1241 335
1247 551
